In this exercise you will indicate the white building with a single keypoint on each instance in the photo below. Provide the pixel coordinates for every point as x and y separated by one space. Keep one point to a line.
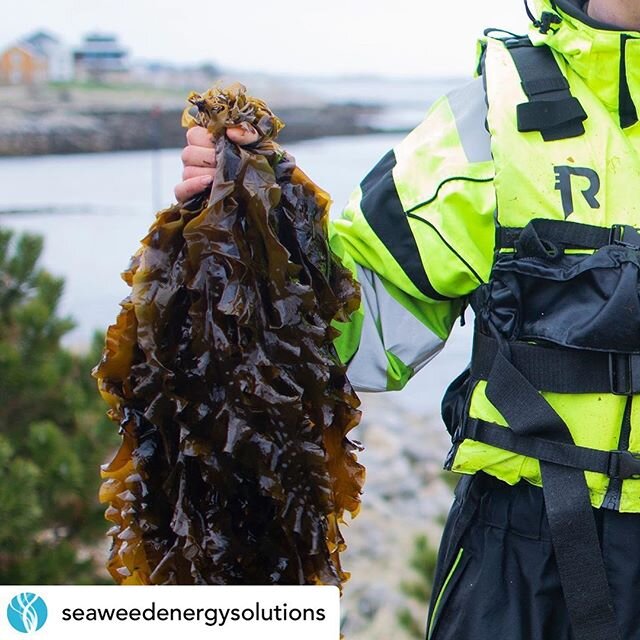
59 57
101 58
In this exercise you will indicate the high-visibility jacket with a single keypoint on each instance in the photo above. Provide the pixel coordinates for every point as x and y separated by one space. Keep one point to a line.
420 231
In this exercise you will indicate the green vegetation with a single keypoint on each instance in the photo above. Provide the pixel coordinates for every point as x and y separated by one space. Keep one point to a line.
89 86
423 563
53 431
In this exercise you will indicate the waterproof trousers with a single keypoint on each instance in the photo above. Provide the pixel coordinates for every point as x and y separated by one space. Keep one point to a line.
497 577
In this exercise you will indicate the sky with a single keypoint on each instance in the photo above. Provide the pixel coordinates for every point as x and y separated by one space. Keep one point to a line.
392 37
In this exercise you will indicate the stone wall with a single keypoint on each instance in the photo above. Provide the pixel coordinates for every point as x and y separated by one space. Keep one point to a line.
64 131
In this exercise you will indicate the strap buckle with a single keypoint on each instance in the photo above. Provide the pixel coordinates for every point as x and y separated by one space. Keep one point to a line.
624 373
624 236
615 235
624 465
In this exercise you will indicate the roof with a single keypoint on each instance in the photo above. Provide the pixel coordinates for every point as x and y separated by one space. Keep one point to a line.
40 40
100 45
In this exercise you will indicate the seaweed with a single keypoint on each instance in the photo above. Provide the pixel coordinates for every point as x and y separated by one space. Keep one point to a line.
235 466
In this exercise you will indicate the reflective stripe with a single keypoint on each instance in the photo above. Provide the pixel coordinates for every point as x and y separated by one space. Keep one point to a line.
469 107
436 606
388 328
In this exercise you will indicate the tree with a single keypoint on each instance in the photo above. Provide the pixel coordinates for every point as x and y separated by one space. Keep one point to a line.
53 431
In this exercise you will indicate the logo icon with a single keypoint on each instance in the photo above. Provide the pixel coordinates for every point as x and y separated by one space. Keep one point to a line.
563 184
27 612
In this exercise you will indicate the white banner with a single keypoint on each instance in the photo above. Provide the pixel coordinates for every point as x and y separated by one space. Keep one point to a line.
156 613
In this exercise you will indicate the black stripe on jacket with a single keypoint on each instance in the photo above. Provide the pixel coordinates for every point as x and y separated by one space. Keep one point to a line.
383 211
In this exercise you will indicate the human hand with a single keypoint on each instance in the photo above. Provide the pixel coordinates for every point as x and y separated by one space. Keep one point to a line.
199 159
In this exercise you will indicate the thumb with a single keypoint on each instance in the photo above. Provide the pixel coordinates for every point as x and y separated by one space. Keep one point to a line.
242 135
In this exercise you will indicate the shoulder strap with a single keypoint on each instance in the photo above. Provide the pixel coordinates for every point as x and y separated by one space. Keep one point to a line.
551 108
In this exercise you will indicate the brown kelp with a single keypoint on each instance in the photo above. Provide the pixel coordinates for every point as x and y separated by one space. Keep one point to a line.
235 466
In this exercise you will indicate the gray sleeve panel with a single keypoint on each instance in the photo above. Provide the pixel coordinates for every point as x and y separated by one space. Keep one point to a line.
469 107
367 369
387 326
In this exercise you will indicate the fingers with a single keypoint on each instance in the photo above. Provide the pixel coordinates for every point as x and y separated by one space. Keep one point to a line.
193 156
193 186
199 137
242 135
199 158
196 172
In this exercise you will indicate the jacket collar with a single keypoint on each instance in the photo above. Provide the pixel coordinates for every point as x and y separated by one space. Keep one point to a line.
607 58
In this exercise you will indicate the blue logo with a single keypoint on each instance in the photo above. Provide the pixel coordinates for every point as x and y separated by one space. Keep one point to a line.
27 612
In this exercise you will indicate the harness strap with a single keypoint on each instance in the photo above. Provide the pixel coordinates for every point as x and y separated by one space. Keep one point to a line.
615 464
569 512
574 235
552 368
551 109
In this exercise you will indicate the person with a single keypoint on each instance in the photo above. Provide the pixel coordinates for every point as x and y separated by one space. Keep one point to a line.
516 195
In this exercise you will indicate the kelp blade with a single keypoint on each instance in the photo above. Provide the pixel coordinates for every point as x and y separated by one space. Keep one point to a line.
235 465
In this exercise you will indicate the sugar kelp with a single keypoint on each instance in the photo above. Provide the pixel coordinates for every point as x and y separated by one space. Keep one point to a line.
235 466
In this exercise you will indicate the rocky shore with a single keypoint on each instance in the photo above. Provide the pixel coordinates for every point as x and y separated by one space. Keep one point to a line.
53 121
121 130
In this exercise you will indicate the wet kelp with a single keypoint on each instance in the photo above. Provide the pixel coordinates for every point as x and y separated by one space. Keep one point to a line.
235 466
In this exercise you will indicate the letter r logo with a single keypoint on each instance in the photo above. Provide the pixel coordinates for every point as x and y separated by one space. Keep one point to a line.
563 184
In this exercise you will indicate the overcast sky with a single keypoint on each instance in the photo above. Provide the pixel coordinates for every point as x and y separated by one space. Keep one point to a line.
401 37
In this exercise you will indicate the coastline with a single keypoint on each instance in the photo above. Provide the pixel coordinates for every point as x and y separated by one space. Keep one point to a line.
62 120
105 130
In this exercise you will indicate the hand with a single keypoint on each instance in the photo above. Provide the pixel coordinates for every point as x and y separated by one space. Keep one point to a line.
199 159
